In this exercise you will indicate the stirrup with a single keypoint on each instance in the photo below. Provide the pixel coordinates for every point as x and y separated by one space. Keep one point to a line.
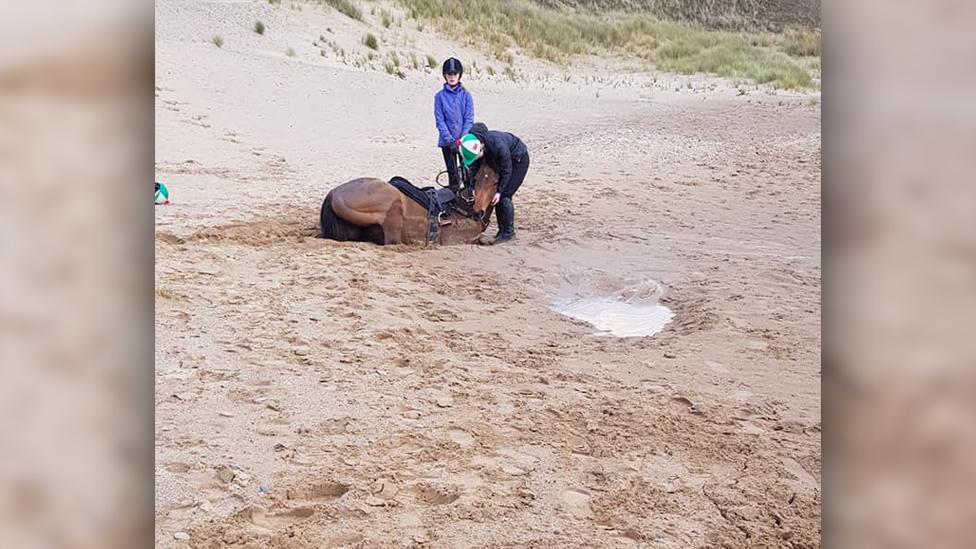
443 222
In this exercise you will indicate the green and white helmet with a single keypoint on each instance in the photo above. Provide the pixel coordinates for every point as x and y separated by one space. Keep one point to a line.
470 149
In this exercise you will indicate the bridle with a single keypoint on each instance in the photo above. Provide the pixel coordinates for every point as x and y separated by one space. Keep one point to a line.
468 212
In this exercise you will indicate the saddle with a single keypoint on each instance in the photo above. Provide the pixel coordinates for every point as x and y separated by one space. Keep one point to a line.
437 202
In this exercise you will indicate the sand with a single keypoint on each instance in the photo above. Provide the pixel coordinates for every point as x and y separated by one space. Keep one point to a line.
319 394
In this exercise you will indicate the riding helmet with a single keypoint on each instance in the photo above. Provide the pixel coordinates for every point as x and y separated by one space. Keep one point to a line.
453 65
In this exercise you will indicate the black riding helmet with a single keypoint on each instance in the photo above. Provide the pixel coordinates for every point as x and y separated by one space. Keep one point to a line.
453 65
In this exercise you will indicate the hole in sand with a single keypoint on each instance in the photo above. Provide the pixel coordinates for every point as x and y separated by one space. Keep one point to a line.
615 306
613 316
322 490
264 519
436 495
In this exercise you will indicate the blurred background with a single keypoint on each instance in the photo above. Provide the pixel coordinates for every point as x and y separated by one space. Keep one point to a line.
900 273
75 274
76 328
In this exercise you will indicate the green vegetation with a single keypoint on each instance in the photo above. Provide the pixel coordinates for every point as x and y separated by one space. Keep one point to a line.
346 7
735 59
385 17
371 42
217 40
679 47
290 52
259 27
390 67
802 42
431 62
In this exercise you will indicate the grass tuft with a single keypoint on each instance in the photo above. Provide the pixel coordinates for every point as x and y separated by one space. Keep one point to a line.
217 40
259 27
165 293
290 52
346 7
371 42
431 62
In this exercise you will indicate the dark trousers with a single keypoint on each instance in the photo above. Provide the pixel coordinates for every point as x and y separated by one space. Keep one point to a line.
520 167
450 160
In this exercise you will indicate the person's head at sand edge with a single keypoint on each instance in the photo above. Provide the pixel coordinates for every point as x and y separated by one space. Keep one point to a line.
452 71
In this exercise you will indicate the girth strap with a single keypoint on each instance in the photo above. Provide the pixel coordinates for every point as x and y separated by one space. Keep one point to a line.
434 212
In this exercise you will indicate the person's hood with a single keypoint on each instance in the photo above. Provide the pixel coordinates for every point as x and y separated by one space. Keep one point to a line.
479 130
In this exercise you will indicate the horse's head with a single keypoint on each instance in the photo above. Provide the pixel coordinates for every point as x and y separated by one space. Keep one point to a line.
485 187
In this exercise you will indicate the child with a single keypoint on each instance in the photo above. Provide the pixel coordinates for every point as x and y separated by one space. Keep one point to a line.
453 115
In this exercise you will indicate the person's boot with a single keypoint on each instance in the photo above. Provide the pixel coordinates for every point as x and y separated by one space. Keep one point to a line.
454 181
505 212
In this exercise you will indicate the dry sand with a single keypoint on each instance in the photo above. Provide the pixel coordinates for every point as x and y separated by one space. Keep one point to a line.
319 394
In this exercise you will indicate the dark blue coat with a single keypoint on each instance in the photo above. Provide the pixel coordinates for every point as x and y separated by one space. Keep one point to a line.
501 149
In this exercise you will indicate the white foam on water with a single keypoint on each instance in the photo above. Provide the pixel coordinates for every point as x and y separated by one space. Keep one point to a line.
614 317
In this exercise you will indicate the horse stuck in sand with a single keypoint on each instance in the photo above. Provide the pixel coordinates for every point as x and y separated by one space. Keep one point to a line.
395 212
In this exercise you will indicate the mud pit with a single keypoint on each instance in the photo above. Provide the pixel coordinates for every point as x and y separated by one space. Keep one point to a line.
612 317
319 394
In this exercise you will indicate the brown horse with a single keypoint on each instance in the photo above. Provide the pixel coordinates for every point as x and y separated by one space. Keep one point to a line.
372 210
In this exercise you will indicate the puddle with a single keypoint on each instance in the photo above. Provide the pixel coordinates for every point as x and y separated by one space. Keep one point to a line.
614 317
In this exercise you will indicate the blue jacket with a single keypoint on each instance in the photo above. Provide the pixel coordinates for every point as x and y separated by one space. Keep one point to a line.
453 113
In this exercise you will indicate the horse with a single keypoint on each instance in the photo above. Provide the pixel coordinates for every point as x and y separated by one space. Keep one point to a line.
368 209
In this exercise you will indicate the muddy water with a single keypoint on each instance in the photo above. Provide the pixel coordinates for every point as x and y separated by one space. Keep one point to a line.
614 317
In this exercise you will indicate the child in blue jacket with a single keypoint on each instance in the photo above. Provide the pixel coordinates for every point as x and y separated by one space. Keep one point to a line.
453 114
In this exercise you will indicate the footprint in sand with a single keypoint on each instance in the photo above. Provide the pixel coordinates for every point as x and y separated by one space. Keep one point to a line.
436 495
384 489
263 519
345 539
579 445
322 491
